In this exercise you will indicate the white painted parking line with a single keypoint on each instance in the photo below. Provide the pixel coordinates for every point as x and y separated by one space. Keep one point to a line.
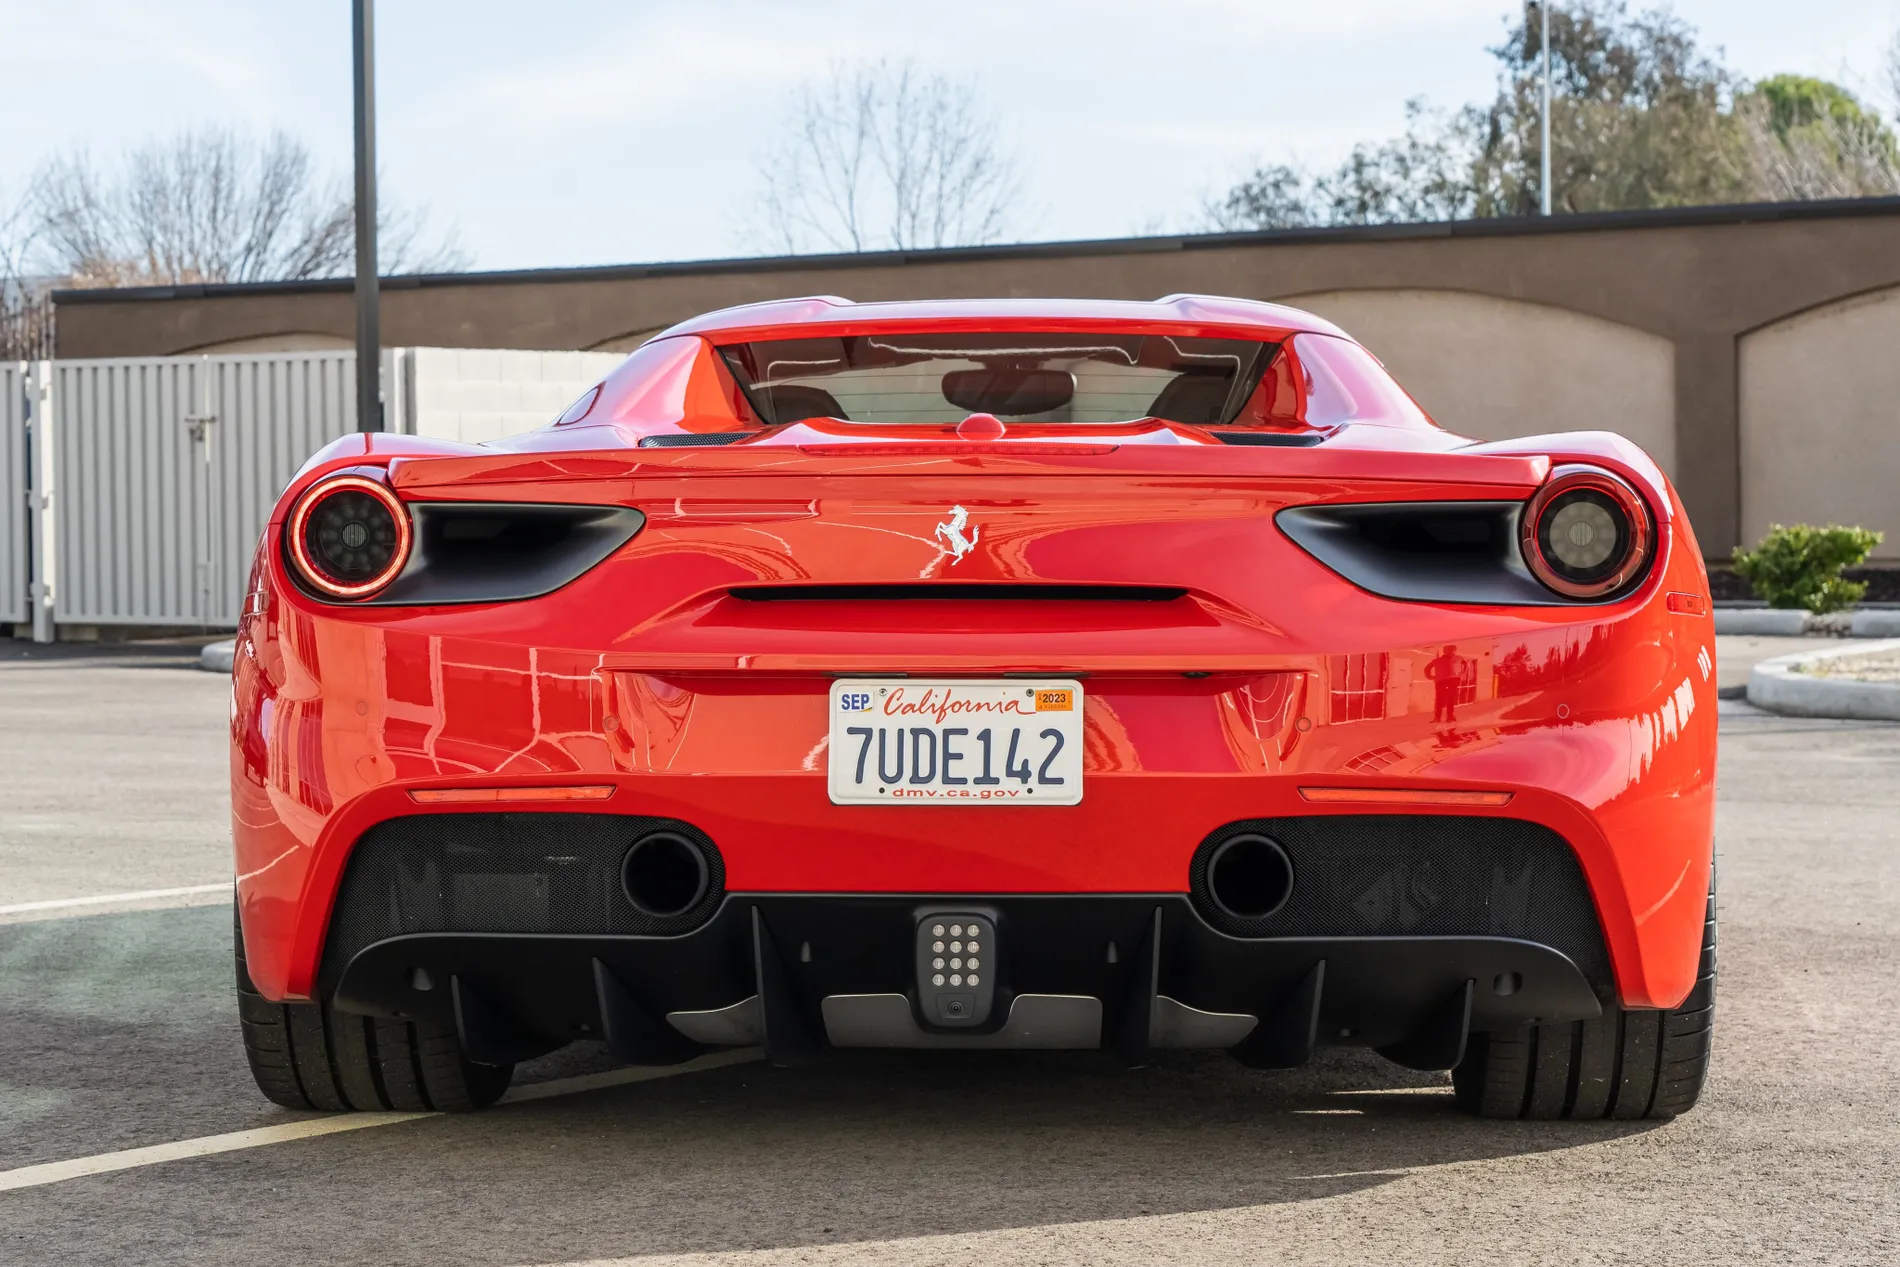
204 1146
115 899
287 1132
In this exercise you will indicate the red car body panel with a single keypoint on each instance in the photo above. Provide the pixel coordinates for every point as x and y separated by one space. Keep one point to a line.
1268 677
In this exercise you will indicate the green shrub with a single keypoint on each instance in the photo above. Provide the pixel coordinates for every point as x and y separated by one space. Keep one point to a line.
1801 566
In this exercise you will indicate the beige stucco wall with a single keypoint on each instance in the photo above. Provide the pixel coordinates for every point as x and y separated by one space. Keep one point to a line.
1820 419
1500 368
626 342
287 341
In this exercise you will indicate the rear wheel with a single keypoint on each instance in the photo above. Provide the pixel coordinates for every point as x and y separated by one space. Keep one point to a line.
1623 1064
311 1056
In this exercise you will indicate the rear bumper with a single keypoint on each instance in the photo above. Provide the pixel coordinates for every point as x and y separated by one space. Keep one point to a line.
1402 932
1601 731
1640 858
803 973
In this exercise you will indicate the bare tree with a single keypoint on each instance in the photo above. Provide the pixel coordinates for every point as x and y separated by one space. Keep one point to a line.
26 310
885 156
211 206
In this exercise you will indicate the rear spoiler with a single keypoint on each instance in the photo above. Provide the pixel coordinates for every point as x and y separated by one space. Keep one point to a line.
613 474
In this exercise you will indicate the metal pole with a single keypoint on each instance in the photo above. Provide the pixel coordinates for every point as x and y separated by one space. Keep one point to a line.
1543 182
43 521
369 335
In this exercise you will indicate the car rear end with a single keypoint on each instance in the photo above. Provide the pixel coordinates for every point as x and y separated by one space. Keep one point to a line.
1123 736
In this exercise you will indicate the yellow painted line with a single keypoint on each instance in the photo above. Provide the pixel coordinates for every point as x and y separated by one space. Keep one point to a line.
288 1132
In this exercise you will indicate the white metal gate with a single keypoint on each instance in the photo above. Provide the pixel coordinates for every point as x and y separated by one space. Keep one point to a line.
16 522
267 416
165 470
150 491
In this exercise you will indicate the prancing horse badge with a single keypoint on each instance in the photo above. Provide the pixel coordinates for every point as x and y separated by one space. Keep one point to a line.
950 532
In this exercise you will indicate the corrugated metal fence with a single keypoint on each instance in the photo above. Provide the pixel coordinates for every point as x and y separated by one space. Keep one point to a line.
15 568
166 469
163 469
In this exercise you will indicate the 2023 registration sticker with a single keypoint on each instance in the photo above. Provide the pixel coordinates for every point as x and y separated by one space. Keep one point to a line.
909 742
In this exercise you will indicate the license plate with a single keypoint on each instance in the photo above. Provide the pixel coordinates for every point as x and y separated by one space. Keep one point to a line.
909 742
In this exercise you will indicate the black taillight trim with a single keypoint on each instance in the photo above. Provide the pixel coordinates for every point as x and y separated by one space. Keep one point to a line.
494 552
1465 552
1423 552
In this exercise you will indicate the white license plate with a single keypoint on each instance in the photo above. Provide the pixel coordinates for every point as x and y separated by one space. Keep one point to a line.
907 742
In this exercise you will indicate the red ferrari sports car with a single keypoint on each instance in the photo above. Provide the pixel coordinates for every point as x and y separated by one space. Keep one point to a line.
983 675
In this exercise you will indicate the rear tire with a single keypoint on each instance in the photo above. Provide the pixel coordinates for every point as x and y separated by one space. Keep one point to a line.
311 1056
1624 1064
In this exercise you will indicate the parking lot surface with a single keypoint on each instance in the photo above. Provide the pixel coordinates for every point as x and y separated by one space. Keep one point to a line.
1738 654
117 1032
115 771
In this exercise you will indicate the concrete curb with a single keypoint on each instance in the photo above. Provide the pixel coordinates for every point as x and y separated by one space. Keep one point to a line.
1783 623
217 656
1779 687
1771 621
1876 624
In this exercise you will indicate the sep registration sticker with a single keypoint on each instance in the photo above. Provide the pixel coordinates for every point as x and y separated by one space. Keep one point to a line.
908 742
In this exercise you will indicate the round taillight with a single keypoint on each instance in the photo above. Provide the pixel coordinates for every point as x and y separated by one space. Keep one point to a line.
1586 533
349 536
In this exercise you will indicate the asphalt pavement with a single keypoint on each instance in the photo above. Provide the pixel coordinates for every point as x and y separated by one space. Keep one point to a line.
115 770
1736 656
117 1032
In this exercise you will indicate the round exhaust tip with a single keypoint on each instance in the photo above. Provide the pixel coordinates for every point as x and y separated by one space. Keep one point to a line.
1250 876
664 874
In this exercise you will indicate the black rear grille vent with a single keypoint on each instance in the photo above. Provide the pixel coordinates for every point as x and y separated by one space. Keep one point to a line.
974 591
505 873
695 439
1271 439
1419 875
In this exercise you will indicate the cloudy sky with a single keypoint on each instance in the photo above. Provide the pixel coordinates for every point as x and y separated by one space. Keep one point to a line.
558 132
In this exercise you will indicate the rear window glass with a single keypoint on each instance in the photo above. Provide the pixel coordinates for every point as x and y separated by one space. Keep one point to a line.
938 378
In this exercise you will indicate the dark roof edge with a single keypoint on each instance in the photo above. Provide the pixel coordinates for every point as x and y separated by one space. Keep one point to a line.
1592 222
